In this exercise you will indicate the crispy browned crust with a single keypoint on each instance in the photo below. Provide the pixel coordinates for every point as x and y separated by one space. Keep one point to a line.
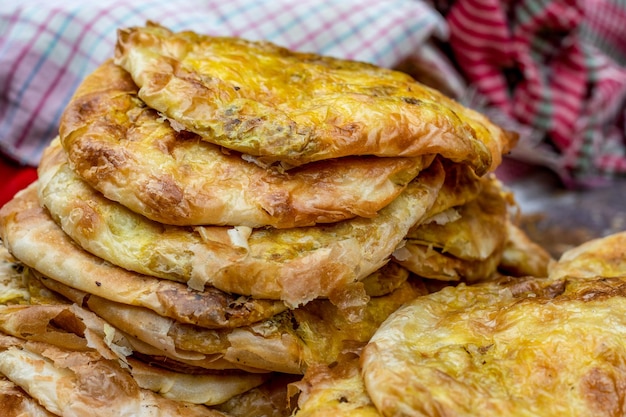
161 340
75 340
525 346
460 186
33 237
289 342
243 99
128 152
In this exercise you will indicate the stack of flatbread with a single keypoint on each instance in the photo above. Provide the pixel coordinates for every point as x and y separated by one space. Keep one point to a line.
219 217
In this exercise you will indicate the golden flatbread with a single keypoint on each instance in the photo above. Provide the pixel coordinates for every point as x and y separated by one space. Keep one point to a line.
127 151
427 262
179 345
463 242
601 257
158 339
472 231
279 105
72 383
86 336
336 390
33 238
317 332
515 347
293 265
271 399
15 402
523 257
53 320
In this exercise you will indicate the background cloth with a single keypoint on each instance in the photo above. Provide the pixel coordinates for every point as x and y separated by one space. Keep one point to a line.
557 67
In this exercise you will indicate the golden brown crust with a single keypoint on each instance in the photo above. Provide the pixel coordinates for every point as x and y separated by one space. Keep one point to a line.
294 265
385 280
289 342
15 402
601 257
336 390
461 243
44 323
514 347
129 153
207 389
70 336
272 399
329 334
460 186
243 99
427 262
523 257
32 237
266 346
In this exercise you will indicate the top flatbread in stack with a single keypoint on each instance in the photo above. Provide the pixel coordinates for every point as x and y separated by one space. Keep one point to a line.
294 108
232 208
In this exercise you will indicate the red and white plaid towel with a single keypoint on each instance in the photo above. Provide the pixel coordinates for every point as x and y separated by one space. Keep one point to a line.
557 68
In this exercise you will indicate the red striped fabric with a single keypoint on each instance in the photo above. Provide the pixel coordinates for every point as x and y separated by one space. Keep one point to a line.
569 83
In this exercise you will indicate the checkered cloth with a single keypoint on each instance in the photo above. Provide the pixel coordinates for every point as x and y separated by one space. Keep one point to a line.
557 67
48 47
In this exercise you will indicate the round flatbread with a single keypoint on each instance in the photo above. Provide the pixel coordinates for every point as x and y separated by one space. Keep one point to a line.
128 152
463 242
472 231
278 105
601 257
33 238
81 383
290 342
81 335
336 390
17 403
294 265
271 399
523 257
516 347
427 262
